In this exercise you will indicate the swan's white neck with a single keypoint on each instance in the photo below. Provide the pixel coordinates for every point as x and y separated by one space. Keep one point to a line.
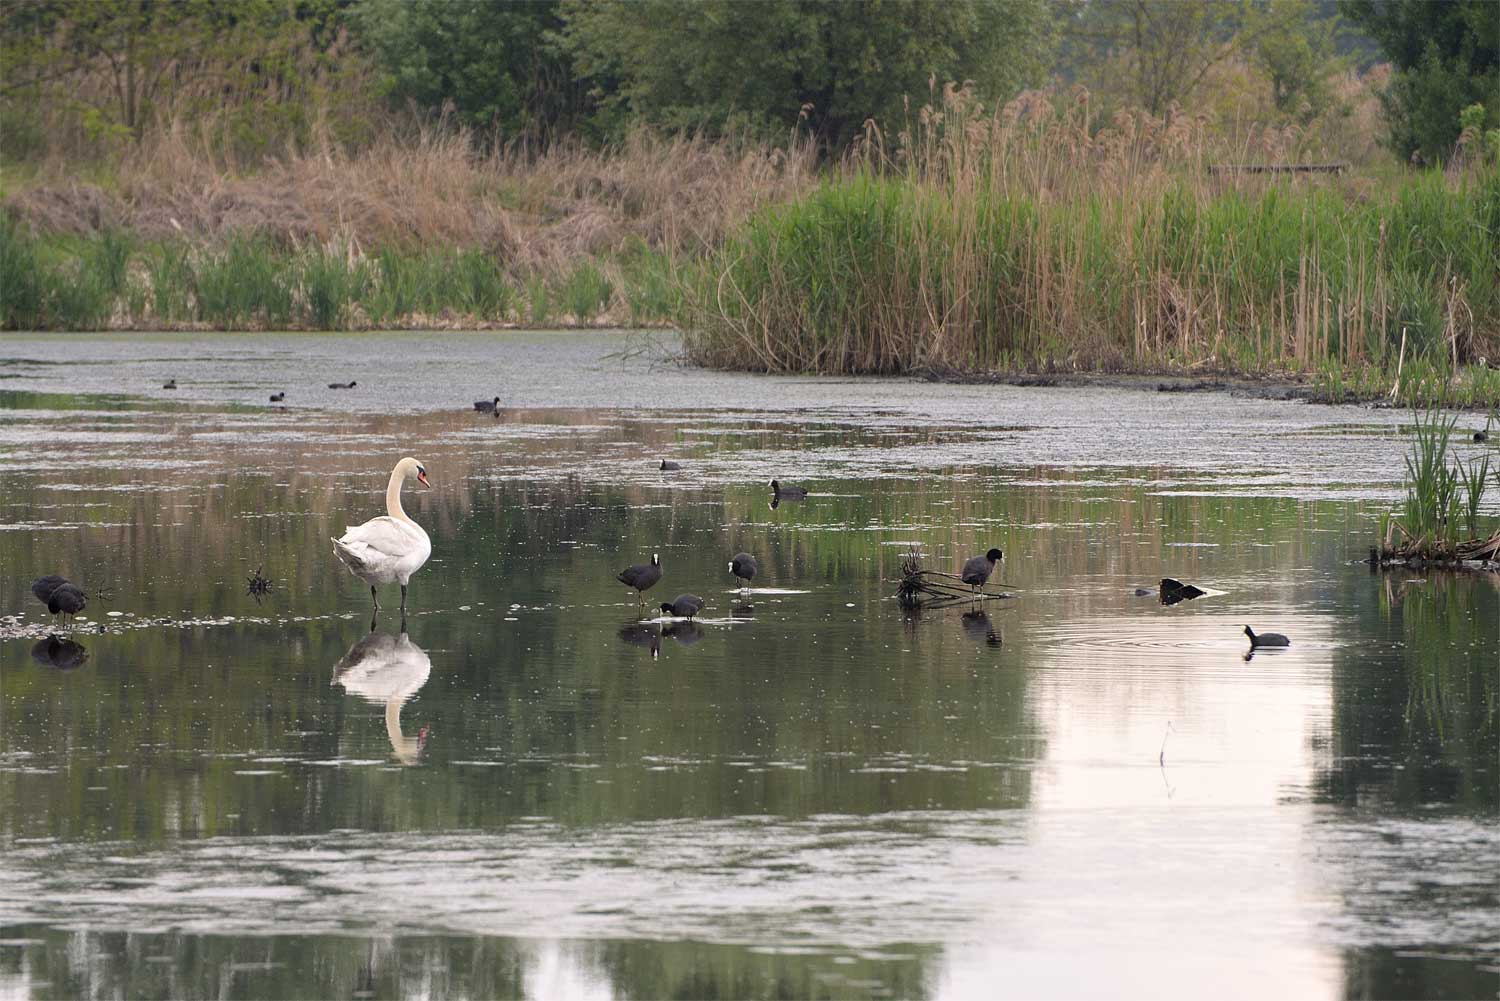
393 497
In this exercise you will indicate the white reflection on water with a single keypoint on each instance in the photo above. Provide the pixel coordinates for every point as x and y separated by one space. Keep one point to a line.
1165 901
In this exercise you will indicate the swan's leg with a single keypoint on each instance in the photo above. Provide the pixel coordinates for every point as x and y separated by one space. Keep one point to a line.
374 597
403 601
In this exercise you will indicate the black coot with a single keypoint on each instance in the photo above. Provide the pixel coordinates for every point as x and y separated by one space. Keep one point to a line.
1481 436
277 397
976 571
787 491
669 464
1266 639
169 384
684 606
67 599
487 406
642 576
343 385
43 587
60 597
743 566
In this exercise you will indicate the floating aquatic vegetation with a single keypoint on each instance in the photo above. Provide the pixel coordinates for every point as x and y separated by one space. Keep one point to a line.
257 585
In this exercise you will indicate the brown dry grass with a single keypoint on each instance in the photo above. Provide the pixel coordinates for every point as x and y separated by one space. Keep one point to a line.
535 212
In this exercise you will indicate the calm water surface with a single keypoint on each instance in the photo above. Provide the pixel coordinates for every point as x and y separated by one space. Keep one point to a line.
532 791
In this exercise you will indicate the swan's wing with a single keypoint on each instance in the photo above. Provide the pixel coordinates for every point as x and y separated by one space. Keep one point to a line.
387 536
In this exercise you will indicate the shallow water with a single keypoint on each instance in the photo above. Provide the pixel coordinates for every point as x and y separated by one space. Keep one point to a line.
544 790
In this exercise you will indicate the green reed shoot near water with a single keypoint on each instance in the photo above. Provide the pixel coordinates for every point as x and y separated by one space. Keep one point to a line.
1430 511
1442 496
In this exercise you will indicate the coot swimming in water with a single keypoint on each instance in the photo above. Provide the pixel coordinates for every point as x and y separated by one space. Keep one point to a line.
487 406
277 397
787 491
669 464
343 385
1266 639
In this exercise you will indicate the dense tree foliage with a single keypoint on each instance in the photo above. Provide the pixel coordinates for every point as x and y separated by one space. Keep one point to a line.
767 65
1447 57
500 66
118 65
1160 52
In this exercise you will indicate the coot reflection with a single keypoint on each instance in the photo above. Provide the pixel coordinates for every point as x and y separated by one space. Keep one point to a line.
687 633
647 637
59 654
978 627
382 668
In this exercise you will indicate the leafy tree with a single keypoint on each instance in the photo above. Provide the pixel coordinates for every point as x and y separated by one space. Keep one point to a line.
1169 47
1296 48
118 63
501 65
1447 57
711 64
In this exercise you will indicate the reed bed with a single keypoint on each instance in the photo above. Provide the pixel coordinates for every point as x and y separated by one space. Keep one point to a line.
1034 239
1439 520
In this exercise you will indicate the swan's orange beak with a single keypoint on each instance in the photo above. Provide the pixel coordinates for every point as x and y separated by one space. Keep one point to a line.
422 478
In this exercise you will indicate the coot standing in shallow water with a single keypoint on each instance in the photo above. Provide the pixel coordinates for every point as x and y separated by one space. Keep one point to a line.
43 587
1266 639
68 599
642 576
976 571
683 606
787 491
60 597
743 566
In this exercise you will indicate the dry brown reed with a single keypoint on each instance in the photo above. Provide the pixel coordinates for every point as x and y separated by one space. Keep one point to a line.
431 188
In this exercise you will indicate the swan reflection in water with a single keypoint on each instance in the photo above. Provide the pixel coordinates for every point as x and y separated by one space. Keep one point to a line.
387 669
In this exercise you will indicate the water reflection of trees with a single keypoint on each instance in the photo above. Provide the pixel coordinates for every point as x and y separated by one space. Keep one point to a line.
1415 717
182 708
115 964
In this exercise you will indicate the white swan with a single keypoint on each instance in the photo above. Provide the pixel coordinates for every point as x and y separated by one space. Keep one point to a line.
389 669
392 548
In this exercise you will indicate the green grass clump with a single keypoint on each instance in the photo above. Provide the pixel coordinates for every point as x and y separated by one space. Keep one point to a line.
585 292
474 285
23 278
332 282
245 283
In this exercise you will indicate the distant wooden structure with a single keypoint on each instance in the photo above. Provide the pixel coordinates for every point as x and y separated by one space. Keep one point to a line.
1277 168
